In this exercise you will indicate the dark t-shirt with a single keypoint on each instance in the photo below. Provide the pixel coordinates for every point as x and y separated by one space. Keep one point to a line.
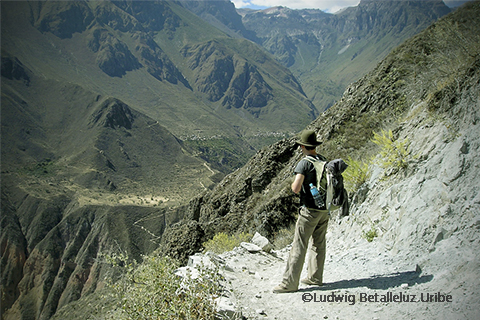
307 168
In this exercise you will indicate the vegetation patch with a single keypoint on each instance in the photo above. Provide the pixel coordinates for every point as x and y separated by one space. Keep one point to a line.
222 242
370 234
44 168
222 153
284 237
152 290
356 174
394 153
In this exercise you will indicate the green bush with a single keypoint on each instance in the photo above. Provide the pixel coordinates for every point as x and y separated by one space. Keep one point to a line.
356 174
151 290
393 153
370 234
222 242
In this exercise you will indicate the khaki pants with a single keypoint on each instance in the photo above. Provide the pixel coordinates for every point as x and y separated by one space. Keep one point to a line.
311 225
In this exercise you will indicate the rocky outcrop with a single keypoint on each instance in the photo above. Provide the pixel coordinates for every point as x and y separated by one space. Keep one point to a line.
12 69
57 260
157 62
112 55
63 19
152 15
222 75
221 14
113 113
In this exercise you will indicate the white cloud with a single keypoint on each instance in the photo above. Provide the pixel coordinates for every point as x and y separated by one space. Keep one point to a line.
324 5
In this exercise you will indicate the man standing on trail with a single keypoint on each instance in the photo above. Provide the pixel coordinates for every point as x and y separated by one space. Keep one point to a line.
311 223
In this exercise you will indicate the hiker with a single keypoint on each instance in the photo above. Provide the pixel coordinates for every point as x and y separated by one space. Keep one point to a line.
311 224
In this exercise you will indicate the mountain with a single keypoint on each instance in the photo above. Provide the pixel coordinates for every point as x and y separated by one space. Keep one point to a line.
221 14
114 113
327 52
413 227
156 56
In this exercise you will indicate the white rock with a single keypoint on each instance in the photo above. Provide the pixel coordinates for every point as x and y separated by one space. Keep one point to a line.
262 242
226 309
199 259
250 247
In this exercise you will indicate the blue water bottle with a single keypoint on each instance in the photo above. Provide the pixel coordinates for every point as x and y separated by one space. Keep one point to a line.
316 196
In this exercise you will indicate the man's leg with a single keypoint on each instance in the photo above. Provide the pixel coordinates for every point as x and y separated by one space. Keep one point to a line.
305 226
317 250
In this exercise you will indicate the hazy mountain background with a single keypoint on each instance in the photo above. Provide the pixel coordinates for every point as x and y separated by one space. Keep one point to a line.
116 114
326 52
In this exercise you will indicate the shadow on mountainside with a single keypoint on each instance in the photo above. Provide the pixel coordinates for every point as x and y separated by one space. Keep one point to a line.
379 282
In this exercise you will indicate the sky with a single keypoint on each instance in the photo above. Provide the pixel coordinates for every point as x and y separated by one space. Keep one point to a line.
330 6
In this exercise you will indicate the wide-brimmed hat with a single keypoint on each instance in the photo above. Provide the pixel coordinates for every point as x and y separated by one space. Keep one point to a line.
308 138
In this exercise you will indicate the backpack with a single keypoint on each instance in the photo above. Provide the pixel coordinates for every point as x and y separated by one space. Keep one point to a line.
336 195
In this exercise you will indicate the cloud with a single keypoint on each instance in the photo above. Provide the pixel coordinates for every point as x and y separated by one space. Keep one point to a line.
330 6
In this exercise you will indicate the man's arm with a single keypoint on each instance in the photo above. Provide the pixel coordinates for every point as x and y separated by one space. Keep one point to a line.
297 183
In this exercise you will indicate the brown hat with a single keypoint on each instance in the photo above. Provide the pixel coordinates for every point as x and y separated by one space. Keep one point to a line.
308 138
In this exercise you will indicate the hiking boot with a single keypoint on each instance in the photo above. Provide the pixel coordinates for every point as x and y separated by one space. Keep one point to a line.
311 282
282 289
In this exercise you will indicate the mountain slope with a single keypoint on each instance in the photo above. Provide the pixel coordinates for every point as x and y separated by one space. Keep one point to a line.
327 52
145 61
74 150
114 113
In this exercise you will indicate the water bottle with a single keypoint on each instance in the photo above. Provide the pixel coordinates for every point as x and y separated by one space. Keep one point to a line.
316 196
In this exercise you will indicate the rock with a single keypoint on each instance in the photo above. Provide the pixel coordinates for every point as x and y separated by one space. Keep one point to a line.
439 236
250 247
226 309
199 259
262 242
187 271
261 312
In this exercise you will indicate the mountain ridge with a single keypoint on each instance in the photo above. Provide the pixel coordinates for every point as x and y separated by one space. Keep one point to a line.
318 46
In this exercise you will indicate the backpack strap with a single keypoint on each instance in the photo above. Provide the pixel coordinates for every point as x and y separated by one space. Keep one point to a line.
329 191
319 168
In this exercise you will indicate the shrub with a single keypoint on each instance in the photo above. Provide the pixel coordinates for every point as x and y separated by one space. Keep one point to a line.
370 234
394 153
284 237
222 242
151 290
356 174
